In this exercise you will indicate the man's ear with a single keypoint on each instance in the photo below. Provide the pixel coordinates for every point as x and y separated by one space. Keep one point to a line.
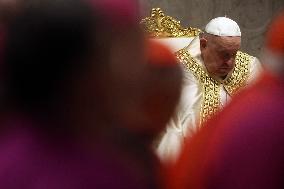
203 43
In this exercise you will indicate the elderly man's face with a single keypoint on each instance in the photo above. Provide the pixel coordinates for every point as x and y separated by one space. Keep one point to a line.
219 54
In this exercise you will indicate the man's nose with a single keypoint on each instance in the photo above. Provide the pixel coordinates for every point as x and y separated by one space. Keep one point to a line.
230 61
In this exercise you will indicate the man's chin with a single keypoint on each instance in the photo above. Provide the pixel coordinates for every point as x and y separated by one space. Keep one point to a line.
224 72
221 76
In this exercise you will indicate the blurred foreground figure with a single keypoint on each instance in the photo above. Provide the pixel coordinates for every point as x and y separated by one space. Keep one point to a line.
141 110
66 64
49 57
243 146
140 91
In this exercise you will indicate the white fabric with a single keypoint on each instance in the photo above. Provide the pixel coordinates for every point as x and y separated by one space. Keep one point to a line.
223 26
186 120
174 43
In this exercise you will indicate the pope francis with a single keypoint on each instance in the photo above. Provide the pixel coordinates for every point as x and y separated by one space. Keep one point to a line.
214 70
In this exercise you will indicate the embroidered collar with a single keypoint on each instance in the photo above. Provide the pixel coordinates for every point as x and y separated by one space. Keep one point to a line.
211 87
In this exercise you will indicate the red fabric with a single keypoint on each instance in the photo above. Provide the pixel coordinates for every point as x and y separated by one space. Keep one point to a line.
160 55
275 37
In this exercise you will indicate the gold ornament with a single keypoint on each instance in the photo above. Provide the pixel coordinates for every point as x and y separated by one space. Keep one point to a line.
211 87
161 25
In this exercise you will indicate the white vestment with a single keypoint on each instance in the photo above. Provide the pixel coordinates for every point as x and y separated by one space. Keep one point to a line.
187 118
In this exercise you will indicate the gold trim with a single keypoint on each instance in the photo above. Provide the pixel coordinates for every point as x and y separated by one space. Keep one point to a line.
161 25
211 88
240 74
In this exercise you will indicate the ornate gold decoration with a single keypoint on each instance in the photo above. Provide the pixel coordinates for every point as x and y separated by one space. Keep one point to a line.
240 74
160 25
211 87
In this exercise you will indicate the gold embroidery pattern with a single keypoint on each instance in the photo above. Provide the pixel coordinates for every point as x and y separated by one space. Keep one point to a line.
160 25
211 87
240 73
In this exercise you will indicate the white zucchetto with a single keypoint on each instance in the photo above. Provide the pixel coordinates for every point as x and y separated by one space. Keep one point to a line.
223 26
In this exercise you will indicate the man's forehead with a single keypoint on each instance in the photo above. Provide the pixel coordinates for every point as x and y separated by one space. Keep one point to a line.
226 41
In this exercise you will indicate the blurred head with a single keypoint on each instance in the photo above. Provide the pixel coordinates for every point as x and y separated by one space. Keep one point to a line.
118 13
9 9
273 52
52 47
122 31
219 46
126 57
149 107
